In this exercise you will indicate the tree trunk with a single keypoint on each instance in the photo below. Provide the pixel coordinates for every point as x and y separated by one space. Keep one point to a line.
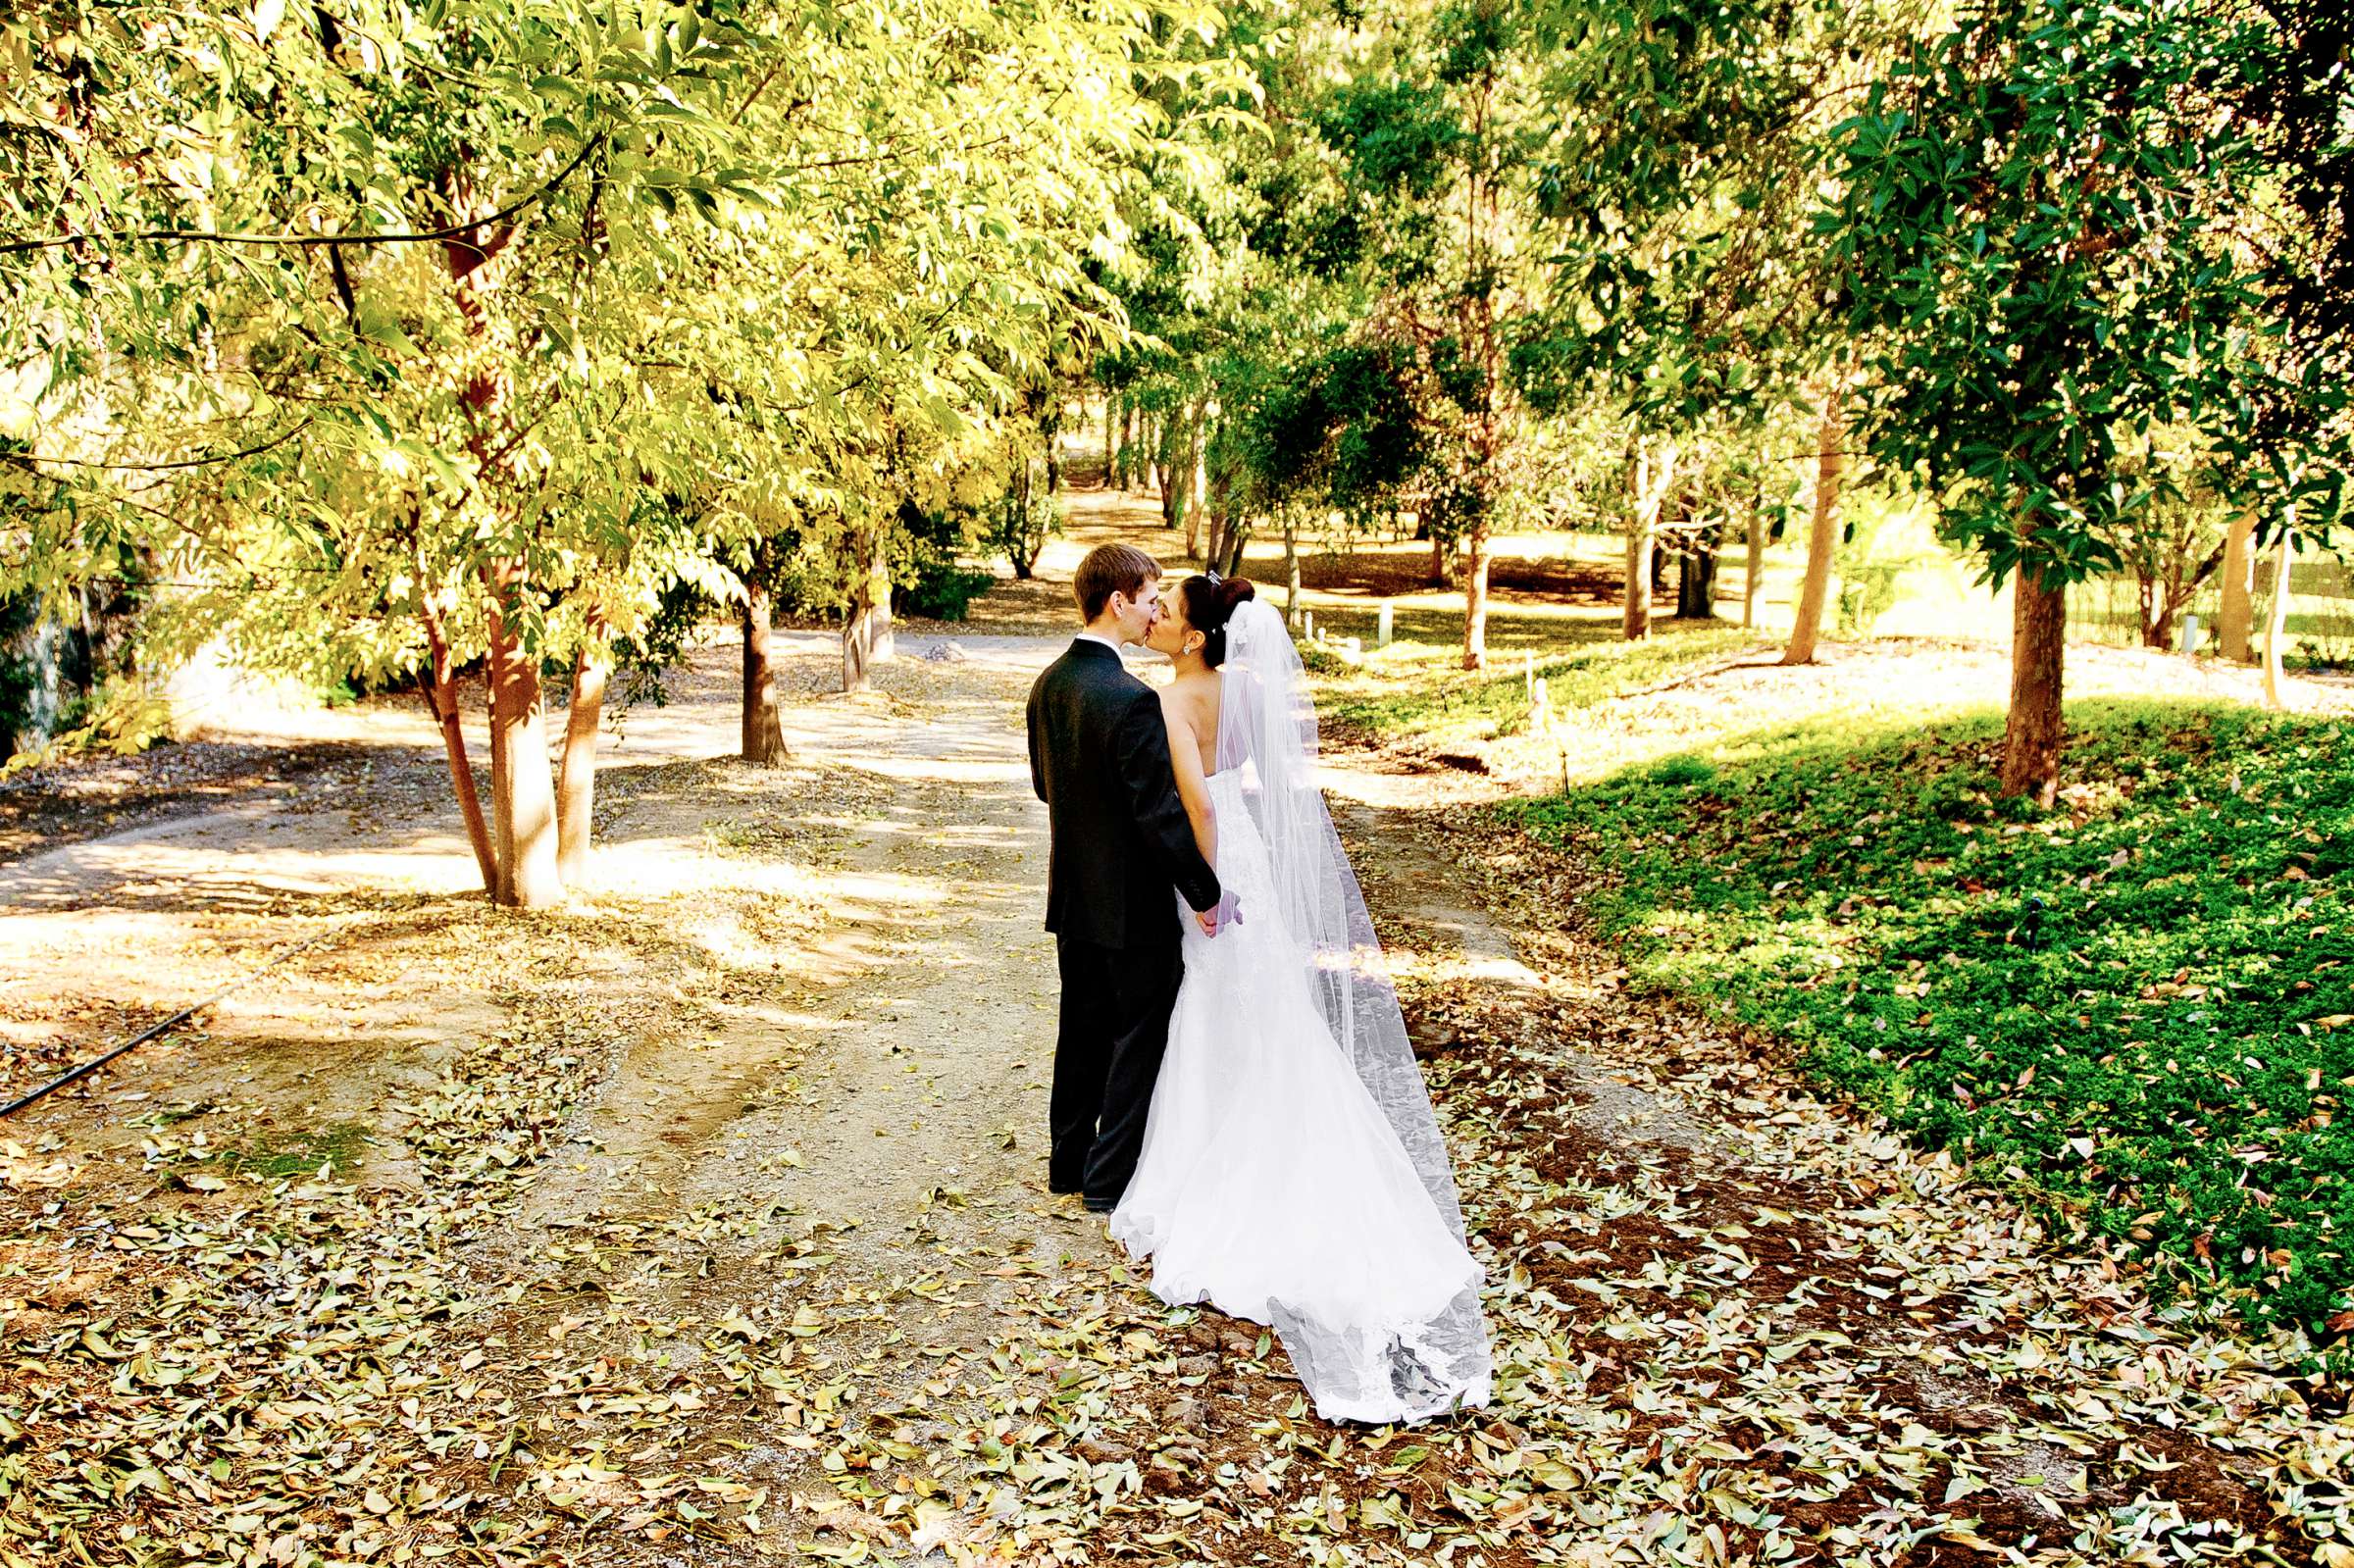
858 641
1221 513
1653 478
1696 579
866 638
1476 597
857 646
2156 622
1110 435
1291 572
442 699
1823 540
522 819
1016 503
1756 563
1174 466
523 796
1197 499
881 642
1238 537
2032 735
1173 496
763 724
2169 612
575 786
1438 559
2275 679
2236 621
1634 617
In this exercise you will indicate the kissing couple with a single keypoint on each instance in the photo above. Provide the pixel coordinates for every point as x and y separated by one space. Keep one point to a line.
1233 1086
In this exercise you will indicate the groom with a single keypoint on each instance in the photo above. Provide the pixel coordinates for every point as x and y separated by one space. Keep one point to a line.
1119 841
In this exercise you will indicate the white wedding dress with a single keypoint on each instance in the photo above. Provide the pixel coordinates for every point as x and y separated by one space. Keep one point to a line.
1293 1173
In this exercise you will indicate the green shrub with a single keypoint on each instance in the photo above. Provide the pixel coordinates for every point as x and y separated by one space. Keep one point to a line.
1671 771
1019 524
933 583
942 590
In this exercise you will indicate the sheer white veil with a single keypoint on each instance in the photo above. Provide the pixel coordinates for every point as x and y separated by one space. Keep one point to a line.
1267 733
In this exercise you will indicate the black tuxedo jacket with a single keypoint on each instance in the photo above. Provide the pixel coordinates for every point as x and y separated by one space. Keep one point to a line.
1100 759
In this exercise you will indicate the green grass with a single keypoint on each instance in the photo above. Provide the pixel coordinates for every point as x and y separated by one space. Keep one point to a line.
1433 698
2136 1007
296 1154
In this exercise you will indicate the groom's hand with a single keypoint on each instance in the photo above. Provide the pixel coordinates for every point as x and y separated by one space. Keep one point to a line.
1229 912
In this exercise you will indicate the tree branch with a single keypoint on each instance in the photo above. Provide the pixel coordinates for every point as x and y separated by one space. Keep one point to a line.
32 460
459 232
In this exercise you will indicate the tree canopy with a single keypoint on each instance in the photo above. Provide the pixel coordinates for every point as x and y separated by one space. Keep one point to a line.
369 341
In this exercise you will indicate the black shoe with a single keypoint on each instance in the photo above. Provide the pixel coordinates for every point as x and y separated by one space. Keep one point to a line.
1094 1207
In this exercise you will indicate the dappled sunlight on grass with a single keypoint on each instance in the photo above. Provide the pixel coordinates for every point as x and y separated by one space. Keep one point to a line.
1423 690
2138 1006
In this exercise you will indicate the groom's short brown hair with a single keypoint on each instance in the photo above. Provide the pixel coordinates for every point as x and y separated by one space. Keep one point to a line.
1111 569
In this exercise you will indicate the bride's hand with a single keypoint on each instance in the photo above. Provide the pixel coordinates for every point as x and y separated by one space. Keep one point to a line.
1229 912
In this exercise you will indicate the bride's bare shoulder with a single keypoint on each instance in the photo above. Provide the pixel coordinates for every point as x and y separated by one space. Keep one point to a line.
1191 703
1191 690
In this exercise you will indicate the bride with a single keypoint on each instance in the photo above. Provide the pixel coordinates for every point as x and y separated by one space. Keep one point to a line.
1292 1172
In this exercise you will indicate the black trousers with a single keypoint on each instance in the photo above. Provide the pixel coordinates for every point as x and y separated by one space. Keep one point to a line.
1114 1028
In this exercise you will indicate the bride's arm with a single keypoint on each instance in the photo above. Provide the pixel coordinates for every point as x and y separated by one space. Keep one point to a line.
1185 759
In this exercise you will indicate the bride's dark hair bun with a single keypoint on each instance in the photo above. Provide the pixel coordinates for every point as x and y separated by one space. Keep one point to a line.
1209 603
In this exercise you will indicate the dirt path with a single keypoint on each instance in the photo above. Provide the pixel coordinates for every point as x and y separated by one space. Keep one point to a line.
703 1222
801 1004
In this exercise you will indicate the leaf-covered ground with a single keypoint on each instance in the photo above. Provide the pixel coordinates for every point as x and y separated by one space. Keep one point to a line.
702 1223
2142 1003
1734 1324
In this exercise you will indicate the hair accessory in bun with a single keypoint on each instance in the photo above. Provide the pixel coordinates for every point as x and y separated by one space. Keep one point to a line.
1209 600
